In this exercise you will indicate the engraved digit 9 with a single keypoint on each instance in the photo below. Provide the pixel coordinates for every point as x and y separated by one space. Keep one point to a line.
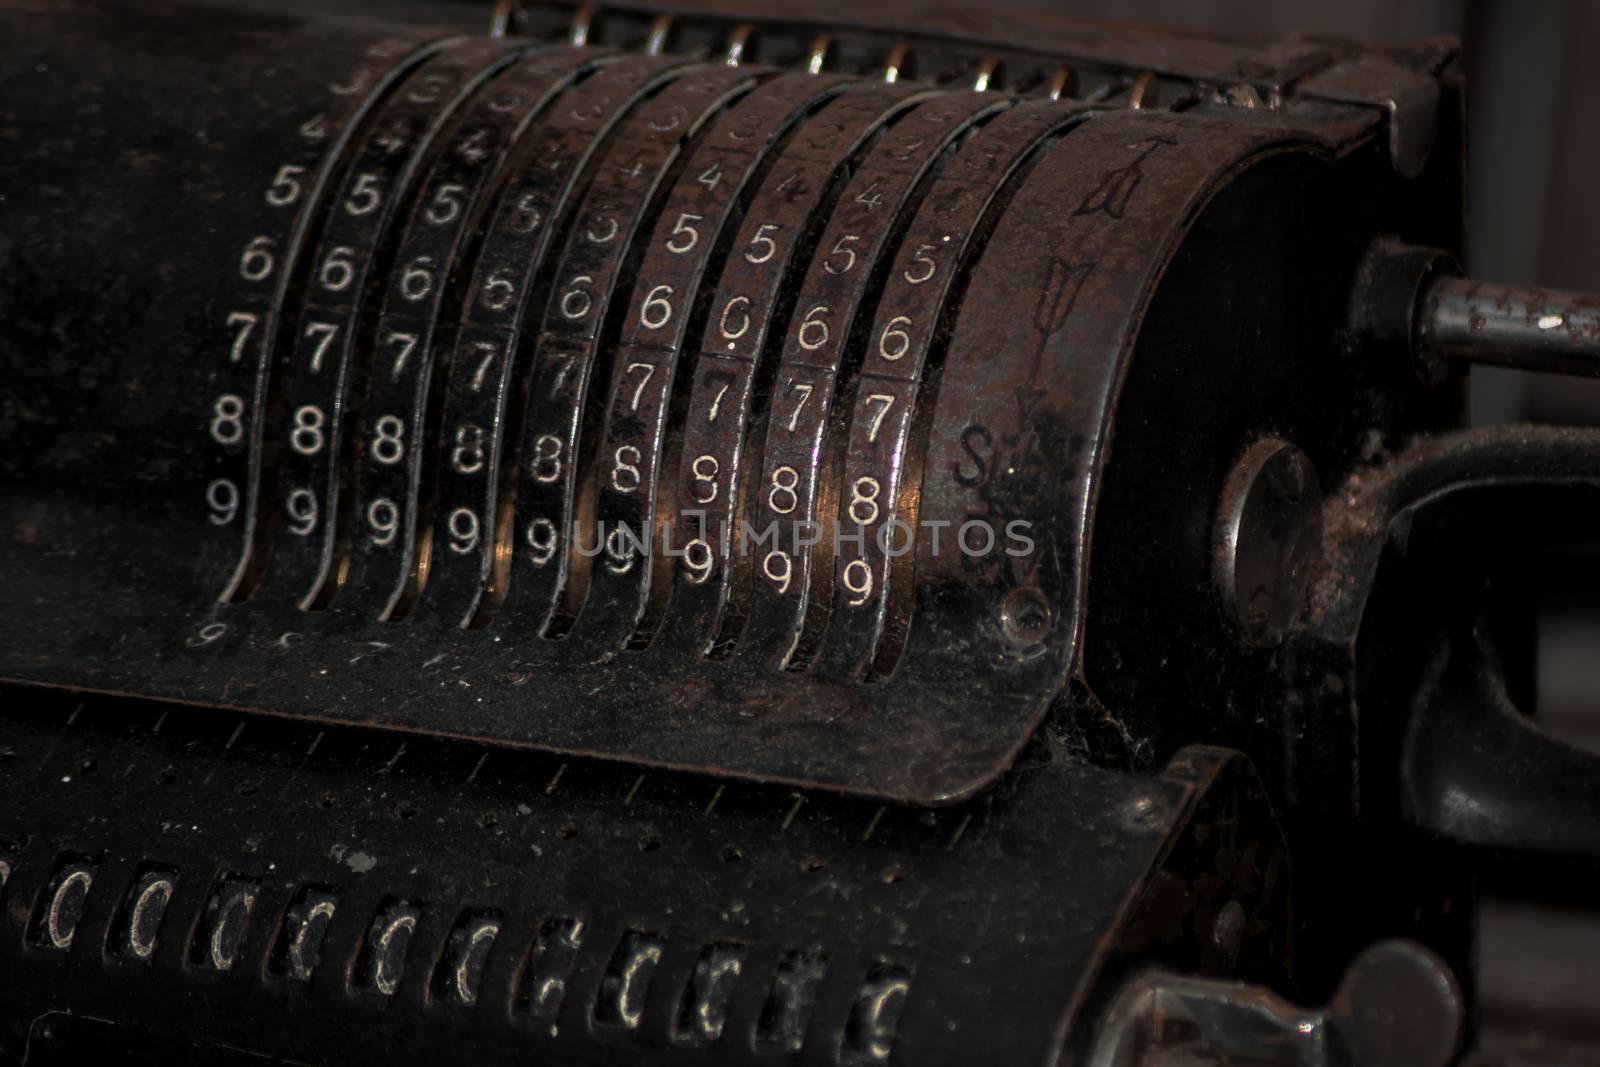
384 518
301 505
697 558
779 569
222 496
858 580
463 526
542 538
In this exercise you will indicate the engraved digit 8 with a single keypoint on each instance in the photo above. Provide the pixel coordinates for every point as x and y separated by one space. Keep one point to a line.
307 437
388 442
227 419
624 472
547 458
705 474
467 456
865 492
782 497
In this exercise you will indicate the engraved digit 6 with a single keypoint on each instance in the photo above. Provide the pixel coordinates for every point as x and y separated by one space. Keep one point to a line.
727 330
813 332
895 342
256 263
658 298
576 302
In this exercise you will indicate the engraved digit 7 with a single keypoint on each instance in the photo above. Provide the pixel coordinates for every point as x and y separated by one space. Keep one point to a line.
649 372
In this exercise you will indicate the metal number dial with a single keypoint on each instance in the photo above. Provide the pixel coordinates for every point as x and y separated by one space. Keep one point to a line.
786 612
423 294
691 241
242 333
325 353
489 369
781 214
882 455
547 572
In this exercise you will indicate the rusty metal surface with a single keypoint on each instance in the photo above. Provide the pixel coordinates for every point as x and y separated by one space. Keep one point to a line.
804 665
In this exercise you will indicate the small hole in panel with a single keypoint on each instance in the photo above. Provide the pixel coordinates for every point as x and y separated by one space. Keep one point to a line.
649 843
732 854
568 831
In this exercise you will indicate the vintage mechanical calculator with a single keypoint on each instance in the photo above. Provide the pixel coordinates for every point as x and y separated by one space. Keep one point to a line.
739 535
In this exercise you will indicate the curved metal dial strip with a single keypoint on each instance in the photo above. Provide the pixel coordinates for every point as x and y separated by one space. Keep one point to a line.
789 598
778 227
486 367
242 333
423 294
691 242
884 437
352 254
544 420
